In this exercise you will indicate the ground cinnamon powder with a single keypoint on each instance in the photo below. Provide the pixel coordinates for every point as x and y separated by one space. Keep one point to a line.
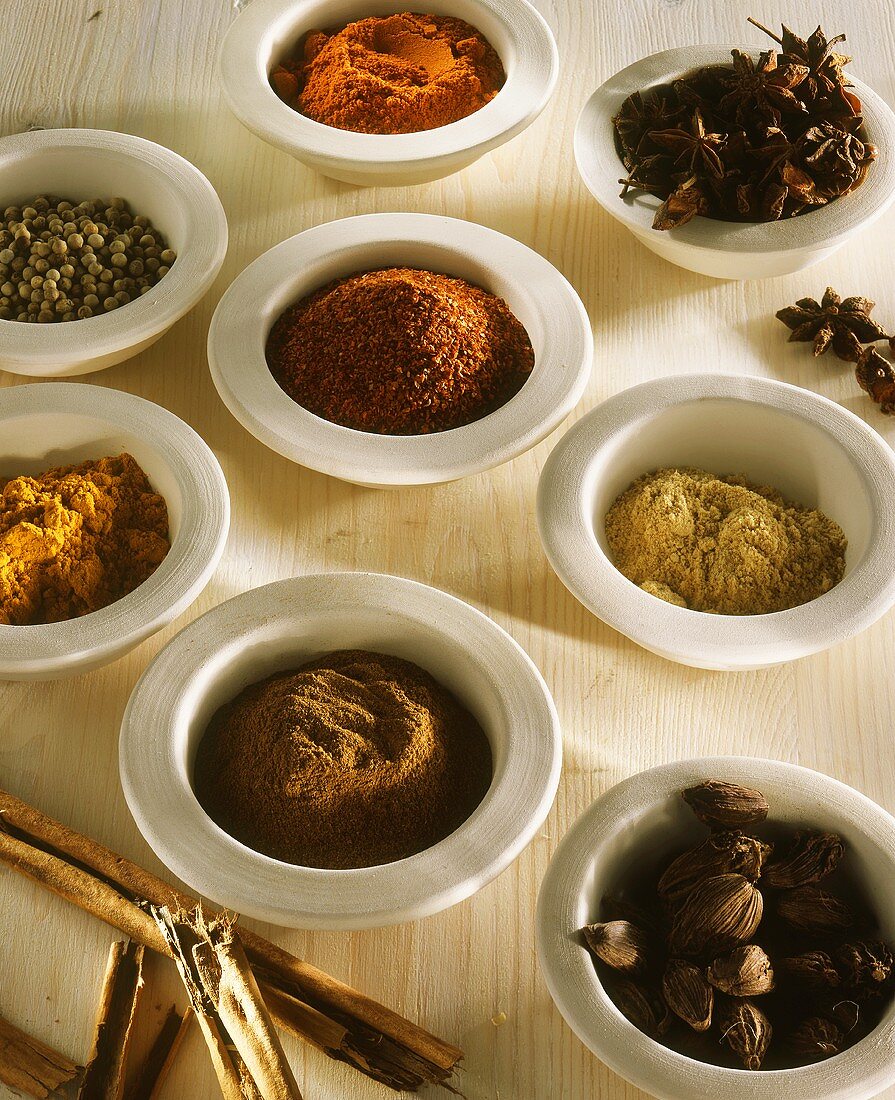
77 538
352 760
400 352
396 74
723 545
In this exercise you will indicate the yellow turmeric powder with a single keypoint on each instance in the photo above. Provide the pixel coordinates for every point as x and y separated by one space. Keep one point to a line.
77 538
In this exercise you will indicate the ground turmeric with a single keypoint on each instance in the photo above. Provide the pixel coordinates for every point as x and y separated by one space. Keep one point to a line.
77 538
395 74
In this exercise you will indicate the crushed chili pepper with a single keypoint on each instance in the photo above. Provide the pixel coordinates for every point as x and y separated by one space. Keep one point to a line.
400 351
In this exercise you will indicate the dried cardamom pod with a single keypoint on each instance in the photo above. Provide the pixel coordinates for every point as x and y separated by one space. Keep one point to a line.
814 969
688 994
864 964
619 944
643 1006
718 914
613 907
743 972
726 805
816 1038
747 1031
811 858
722 853
810 909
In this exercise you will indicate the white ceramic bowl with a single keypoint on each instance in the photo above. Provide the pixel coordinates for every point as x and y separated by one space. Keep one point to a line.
644 818
545 303
175 196
727 250
814 451
280 626
269 30
56 424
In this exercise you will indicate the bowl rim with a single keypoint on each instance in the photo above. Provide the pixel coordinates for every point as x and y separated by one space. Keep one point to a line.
714 641
246 386
251 98
28 651
600 166
578 994
176 827
41 347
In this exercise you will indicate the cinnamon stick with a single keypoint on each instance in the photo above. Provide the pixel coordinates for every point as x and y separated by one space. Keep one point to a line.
104 1075
301 998
244 1047
158 1061
31 1066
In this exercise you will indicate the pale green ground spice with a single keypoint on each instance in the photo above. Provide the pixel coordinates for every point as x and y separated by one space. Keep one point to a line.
719 544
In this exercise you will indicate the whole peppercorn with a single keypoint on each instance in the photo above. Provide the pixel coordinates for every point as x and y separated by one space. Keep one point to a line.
54 254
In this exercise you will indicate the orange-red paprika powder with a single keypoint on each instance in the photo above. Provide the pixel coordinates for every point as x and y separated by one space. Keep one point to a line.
395 74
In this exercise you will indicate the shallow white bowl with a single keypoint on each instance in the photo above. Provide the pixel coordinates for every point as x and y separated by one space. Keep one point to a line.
269 30
175 196
57 424
727 250
545 303
280 626
814 451
644 818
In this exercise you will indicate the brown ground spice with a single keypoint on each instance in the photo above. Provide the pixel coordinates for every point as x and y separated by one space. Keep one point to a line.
400 351
397 74
352 760
720 544
77 538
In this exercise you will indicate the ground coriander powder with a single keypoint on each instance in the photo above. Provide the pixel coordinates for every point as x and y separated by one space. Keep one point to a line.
353 760
720 544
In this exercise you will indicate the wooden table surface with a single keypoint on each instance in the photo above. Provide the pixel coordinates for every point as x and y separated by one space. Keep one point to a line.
148 68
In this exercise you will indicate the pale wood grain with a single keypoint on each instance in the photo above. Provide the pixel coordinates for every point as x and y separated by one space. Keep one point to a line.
148 68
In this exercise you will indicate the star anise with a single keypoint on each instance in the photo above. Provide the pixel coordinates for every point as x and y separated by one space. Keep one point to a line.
844 325
836 154
694 150
763 87
876 375
640 113
825 80
683 204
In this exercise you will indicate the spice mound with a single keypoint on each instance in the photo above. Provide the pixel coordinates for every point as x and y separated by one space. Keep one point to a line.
77 538
720 544
400 352
763 138
64 261
396 74
352 760
753 948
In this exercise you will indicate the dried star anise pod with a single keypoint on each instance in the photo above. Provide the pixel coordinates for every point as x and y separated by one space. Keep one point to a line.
683 204
643 112
836 155
876 375
643 1006
846 1013
810 909
726 805
619 944
743 972
693 149
811 858
825 81
762 88
815 968
864 964
722 853
720 913
747 1031
688 994
845 325
816 1038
